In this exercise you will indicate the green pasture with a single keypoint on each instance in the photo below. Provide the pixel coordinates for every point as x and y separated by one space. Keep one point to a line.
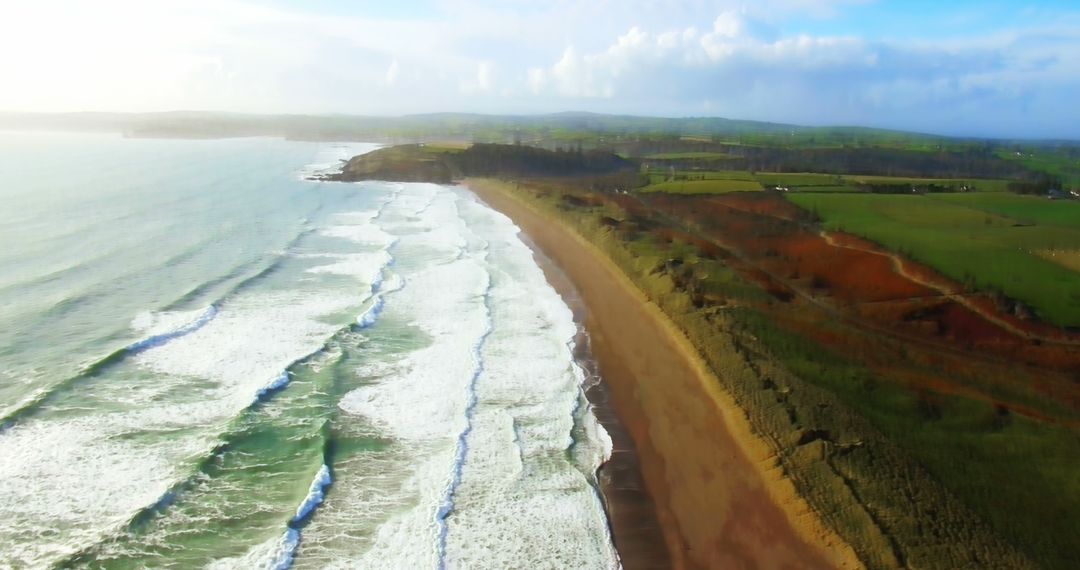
976 184
1030 210
842 189
990 241
687 155
706 186
798 179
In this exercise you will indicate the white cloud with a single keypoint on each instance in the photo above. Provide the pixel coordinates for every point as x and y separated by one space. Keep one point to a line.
482 81
392 74
723 57
739 67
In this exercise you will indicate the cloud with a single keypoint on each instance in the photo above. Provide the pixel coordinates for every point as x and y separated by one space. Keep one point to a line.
480 82
392 73
741 67
716 57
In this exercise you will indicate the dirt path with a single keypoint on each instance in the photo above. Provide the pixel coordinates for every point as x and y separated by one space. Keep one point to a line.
947 291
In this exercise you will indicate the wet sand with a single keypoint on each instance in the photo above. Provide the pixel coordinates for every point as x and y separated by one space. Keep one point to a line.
717 495
635 525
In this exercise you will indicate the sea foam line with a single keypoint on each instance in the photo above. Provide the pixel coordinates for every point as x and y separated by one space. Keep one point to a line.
290 540
462 450
29 405
156 340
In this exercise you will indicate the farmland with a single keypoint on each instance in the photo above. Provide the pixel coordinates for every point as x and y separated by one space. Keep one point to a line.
990 241
687 155
713 186
812 182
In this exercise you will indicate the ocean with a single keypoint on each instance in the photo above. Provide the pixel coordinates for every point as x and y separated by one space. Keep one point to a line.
209 361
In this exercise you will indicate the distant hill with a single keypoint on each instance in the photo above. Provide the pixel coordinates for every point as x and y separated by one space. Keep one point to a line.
474 127
753 145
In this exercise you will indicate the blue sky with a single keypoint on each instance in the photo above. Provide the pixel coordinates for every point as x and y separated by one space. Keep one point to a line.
991 68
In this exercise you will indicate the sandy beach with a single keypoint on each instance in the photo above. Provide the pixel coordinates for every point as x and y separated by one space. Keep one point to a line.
636 528
717 495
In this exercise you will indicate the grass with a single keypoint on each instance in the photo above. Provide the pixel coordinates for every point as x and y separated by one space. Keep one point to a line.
704 186
985 240
826 189
1067 258
661 175
687 155
1055 162
798 179
897 472
1001 466
981 185
1025 209
445 147
814 181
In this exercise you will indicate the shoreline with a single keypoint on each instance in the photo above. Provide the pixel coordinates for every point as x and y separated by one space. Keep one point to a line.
631 512
720 499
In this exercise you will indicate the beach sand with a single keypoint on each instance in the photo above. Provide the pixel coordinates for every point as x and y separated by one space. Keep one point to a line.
635 525
717 493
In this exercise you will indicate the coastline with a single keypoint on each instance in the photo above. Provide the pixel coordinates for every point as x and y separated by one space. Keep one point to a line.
632 517
720 500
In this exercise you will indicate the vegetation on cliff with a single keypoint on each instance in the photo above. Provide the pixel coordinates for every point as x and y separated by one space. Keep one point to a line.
439 163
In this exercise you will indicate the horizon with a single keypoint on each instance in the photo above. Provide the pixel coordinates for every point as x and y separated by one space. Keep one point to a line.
211 112
968 69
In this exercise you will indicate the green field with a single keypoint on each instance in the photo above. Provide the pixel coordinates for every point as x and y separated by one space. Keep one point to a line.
445 147
1057 162
687 181
1025 209
798 179
980 185
687 155
989 240
714 186
707 175
827 189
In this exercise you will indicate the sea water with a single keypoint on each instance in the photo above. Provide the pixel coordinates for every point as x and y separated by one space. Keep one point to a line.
210 361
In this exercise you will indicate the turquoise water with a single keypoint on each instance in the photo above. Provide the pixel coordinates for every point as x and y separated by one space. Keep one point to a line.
209 361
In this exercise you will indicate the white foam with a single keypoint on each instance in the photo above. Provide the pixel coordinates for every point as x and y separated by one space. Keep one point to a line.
331 157
161 327
316 494
274 554
365 266
519 501
154 323
80 478
369 316
279 554
364 233
520 498
71 479
449 300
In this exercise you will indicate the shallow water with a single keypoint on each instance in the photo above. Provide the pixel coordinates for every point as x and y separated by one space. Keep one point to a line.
209 361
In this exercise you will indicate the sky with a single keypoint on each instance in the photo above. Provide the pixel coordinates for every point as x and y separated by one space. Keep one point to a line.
970 68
